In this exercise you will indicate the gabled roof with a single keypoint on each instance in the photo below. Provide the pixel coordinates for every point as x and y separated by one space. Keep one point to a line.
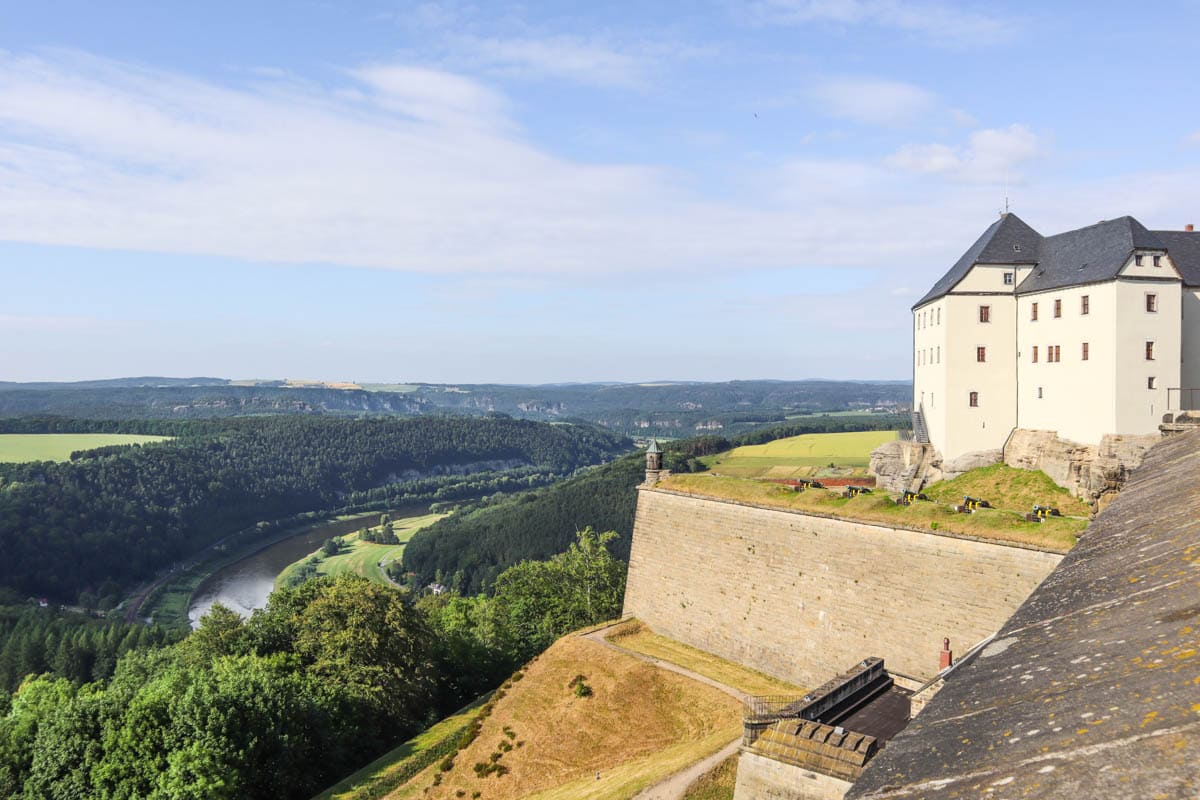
653 448
997 245
1184 249
1095 253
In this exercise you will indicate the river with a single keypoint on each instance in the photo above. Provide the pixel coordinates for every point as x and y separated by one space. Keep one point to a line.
245 585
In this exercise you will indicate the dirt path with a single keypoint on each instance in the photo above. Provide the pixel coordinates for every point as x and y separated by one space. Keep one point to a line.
673 786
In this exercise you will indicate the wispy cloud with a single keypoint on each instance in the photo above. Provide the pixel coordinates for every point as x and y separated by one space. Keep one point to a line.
988 156
573 58
941 23
872 100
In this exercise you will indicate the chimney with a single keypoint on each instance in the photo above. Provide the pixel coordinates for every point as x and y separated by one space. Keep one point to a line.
946 657
1189 227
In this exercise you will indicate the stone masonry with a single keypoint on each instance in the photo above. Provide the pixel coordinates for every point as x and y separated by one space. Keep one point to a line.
799 596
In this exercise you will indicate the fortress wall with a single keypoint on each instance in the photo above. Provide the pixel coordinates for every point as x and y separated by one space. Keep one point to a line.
803 597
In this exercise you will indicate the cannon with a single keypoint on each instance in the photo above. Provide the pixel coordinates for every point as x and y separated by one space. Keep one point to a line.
1033 518
854 491
1046 511
908 497
974 503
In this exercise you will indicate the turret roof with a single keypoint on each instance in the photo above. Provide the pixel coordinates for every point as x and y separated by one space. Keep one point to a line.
653 448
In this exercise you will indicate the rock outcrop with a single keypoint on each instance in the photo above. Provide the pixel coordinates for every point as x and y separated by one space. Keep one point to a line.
1092 472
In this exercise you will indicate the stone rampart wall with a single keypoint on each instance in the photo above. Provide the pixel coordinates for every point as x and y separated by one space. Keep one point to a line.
803 598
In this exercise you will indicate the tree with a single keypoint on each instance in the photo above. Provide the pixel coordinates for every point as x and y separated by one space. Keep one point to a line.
332 546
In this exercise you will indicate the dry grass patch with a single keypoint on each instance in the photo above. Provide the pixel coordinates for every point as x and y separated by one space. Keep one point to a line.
638 725
1057 535
717 784
634 635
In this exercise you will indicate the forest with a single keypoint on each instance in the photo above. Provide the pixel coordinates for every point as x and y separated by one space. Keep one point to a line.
112 517
332 673
468 549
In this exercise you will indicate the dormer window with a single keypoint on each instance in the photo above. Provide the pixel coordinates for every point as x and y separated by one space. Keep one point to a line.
1137 260
1016 248
1158 261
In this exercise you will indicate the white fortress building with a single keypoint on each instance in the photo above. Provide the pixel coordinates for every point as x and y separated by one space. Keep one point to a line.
1090 332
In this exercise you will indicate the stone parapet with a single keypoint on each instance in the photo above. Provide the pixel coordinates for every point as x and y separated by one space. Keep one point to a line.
799 597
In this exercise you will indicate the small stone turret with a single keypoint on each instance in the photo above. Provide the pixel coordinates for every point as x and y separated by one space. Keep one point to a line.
653 462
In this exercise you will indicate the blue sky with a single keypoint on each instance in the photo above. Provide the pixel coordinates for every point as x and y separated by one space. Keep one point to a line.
387 191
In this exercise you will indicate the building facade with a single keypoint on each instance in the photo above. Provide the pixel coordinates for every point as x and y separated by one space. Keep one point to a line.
1090 332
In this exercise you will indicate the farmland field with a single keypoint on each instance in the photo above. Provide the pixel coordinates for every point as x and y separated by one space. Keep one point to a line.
360 557
18 447
800 456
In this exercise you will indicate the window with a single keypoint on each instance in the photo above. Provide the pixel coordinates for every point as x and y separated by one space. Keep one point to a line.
1035 354
1151 383
1149 351
1057 353
939 354
1057 309
1137 260
981 354
1033 311
1151 303
1008 279
974 401
939 315
985 313
1083 305
1083 356
1052 351
1039 393
1158 261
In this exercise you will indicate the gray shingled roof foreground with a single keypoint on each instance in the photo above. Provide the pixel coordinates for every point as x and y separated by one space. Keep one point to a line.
1092 688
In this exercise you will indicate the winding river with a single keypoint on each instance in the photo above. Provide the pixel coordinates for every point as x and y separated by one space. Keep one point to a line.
245 585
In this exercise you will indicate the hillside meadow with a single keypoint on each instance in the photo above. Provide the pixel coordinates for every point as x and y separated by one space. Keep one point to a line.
357 555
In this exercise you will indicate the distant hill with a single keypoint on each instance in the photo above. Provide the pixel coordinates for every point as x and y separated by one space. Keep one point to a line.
661 409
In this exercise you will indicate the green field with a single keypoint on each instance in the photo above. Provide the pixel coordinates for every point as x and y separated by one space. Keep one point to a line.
359 557
17 447
801 456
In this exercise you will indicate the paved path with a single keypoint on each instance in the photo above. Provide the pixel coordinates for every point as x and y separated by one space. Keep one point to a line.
673 786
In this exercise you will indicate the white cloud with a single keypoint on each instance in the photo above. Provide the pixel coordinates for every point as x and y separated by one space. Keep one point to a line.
873 101
989 156
566 57
942 23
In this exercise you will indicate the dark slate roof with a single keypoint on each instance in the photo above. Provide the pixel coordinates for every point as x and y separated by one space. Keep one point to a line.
1092 688
1095 253
995 246
1184 249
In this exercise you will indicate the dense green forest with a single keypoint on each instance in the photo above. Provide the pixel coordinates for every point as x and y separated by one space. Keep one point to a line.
328 676
676 410
118 515
466 551
73 646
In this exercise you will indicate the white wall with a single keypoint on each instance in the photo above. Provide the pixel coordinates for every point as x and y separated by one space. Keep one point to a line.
987 426
1190 371
1139 409
1076 396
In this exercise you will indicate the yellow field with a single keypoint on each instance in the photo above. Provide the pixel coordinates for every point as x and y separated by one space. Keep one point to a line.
801 456
18 447
640 725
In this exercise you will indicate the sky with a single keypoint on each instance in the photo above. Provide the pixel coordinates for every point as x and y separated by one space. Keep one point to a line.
384 191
